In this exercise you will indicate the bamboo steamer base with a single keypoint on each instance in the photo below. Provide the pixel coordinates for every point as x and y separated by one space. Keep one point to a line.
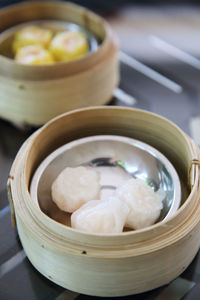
35 94
114 265
110 280
36 102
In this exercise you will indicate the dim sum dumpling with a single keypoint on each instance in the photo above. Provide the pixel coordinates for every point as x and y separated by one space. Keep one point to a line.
75 186
67 45
98 216
145 205
34 55
32 35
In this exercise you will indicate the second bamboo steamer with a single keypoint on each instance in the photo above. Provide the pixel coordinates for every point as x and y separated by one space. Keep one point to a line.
35 94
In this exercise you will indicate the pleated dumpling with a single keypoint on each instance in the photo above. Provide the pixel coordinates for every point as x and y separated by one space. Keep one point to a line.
67 46
32 35
100 216
75 186
34 55
145 205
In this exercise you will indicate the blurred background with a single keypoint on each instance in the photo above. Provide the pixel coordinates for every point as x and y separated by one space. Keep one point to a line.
160 72
163 39
103 5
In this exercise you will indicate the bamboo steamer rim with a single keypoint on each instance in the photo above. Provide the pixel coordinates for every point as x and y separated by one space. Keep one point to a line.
10 68
122 245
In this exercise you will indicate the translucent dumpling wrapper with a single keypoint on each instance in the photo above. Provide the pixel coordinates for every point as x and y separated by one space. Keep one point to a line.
67 46
32 35
74 187
102 217
34 55
145 205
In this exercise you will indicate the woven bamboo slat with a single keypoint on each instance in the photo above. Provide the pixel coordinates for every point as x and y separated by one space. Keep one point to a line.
35 94
112 265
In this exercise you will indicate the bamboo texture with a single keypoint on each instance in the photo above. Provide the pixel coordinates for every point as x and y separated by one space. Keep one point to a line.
112 265
35 94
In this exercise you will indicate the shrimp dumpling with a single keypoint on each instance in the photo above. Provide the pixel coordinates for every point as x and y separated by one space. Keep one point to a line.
67 46
100 216
145 205
33 55
32 35
75 186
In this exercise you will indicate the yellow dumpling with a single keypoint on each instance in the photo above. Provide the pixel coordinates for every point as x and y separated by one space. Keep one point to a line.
67 46
34 55
32 35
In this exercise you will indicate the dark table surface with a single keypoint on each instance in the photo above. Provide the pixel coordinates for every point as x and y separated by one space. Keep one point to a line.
166 40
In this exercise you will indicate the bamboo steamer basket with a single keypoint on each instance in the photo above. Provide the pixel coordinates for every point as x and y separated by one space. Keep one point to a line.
35 94
108 265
